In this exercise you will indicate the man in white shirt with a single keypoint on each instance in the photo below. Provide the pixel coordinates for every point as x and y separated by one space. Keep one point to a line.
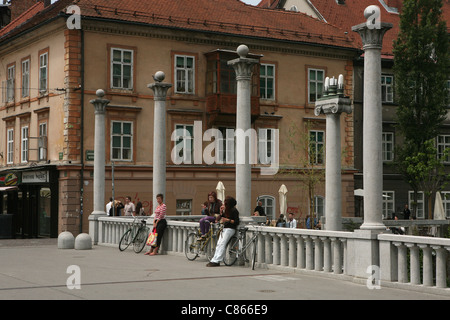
291 222
108 206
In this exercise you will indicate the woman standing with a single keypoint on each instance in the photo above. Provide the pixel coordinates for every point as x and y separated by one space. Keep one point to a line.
212 211
230 218
159 224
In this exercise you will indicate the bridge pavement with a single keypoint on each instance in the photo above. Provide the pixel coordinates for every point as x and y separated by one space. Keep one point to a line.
37 269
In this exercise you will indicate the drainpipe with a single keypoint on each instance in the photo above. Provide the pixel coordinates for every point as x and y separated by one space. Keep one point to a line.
82 131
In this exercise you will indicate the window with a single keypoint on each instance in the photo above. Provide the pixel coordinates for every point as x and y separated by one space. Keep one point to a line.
267 81
42 144
184 144
443 142
121 68
446 202
43 73
319 206
184 207
10 83
122 140
268 203
266 145
24 145
388 204
225 147
420 203
387 146
316 147
10 146
315 84
184 74
387 88
26 78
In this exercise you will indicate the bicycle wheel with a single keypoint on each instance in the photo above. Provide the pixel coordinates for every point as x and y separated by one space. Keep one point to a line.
231 251
125 241
140 239
210 247
191 247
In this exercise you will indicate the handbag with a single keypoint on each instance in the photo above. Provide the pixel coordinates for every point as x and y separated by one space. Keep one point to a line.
151 240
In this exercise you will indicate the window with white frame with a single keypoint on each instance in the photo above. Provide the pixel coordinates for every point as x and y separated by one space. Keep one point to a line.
10 90
121 68
387 144
24 145
184 74
42 145
266 145
43 73
184 144
315 84
184 207
388 204
443 142
316 147
387 88
25 78
268 204
10 146
267 81
446 202
319 206
226 146
419 205
122 140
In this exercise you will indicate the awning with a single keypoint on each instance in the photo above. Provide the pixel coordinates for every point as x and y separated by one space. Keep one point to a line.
8 188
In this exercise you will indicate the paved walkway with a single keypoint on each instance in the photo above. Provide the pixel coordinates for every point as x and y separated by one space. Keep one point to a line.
37 269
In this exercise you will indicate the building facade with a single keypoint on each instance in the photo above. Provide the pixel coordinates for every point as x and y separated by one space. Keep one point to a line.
51 71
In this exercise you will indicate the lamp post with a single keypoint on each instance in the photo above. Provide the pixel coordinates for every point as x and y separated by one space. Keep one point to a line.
332 104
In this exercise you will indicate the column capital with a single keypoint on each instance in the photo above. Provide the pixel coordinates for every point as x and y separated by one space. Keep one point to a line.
159 88
243 66
334 105
100 103
372 38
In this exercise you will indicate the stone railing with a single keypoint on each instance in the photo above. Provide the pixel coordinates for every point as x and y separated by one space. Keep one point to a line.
412 261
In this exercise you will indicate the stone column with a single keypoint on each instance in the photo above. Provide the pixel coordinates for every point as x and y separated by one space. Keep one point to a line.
332 104
159 135
99 164
243 67
372 39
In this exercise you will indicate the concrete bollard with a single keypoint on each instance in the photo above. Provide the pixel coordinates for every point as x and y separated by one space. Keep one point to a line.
83 242
66 240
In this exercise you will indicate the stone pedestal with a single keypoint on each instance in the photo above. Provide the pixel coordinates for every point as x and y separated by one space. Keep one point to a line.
243 67
372 39
159 135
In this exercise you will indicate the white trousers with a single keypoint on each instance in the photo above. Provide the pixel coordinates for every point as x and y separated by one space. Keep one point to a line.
225 236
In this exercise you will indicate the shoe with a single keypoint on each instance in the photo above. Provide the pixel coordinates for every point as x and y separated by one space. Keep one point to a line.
213 264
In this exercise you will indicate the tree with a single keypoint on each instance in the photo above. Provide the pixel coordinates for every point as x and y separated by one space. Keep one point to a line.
421 69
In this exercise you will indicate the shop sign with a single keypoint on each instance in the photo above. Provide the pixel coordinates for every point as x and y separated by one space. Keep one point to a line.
9 179
34 176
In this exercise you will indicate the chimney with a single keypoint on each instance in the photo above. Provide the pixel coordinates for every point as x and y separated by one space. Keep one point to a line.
20 6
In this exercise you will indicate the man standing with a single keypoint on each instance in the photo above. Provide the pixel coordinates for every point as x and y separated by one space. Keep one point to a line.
129 209
406 212
291 222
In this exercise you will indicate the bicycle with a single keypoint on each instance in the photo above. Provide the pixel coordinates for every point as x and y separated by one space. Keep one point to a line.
195 244
240 246
137 235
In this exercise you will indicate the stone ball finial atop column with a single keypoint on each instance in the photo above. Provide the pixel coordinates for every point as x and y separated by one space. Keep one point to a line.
100 93
159 76
242 51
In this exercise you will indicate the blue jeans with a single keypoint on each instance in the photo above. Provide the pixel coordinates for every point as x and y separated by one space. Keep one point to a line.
225 236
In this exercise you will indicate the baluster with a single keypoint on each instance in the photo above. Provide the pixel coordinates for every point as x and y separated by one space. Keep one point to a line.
292 251
268 248
402 262
300 251
326 254
309 253
337 257
414 263
427 265
276 249
441 269
284 250
318 254
180 239
260 254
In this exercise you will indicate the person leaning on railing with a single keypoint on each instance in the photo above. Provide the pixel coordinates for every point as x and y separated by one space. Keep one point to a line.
159 224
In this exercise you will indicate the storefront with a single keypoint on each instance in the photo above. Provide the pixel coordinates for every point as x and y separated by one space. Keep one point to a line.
31 201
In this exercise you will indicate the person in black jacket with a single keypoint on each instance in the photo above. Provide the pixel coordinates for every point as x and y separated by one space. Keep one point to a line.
229 216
